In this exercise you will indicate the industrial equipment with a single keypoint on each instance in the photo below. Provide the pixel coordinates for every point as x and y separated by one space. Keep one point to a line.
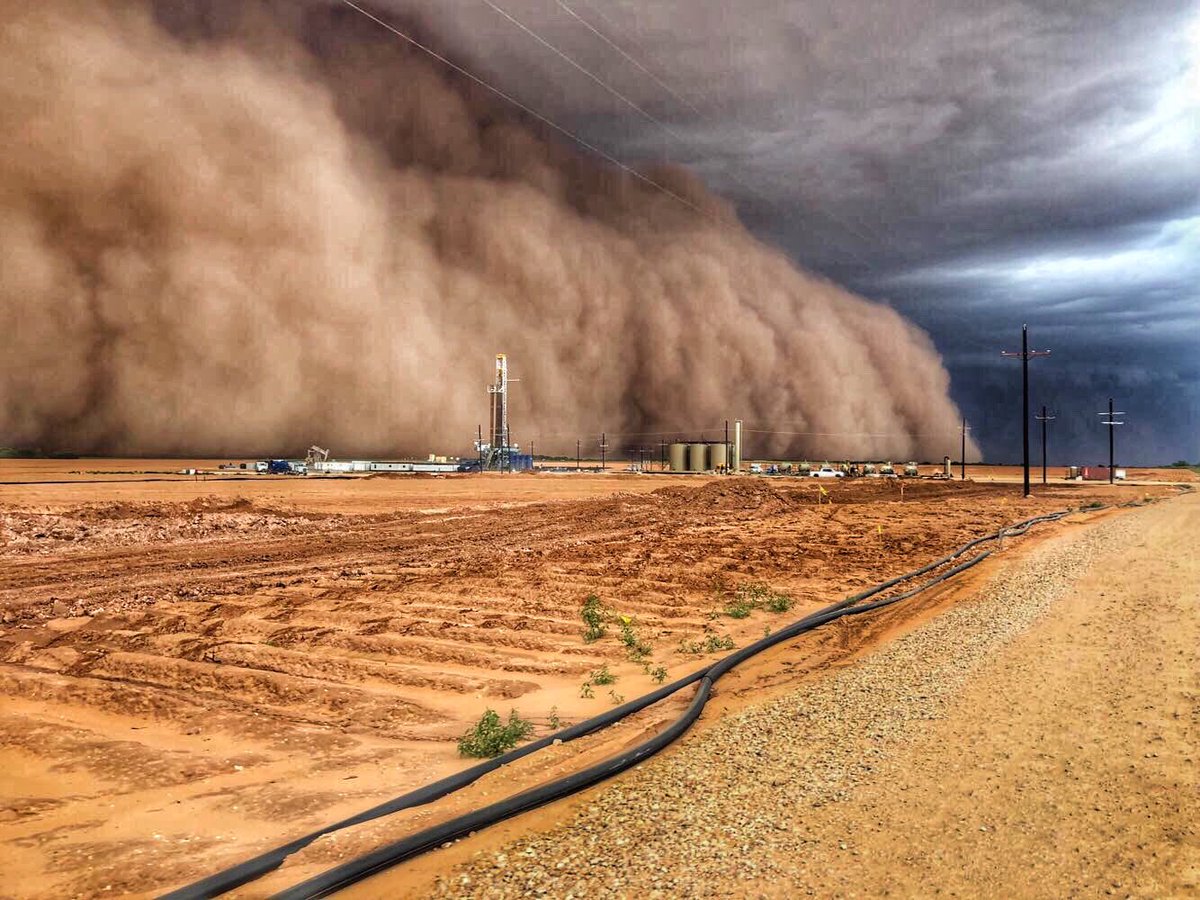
499 453
677 457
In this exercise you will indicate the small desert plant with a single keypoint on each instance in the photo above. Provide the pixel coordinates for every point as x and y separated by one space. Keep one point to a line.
713 643
659 674
555 722
738 608
491 736
754 595
585 691
636 648
616 698
592 614
603 676
628 635
779 603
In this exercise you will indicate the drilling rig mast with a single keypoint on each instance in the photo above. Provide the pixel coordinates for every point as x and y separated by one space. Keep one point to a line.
496 454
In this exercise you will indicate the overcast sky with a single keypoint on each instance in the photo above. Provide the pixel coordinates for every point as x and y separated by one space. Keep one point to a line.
975 164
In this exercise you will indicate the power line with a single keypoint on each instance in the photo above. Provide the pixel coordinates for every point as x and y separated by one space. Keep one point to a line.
651 118
629 170
674 94
616 47
581 68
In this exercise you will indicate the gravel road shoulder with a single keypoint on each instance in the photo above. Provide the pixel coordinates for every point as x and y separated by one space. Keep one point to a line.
976 755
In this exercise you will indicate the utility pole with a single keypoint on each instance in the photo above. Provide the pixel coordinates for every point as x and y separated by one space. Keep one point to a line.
479 446
1025 355
531 456
1112 423
1043 418
962 460
603 449
578 457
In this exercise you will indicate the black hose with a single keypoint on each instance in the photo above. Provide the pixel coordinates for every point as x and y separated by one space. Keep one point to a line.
342 876
356 870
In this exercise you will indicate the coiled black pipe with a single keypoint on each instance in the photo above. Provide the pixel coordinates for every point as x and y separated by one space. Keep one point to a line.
355 870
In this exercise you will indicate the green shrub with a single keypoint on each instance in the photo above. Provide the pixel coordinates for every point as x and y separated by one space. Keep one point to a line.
616 698
491 736
659 674
592 614
603 676
635 647
738 609
585 691
555 722
755 595
779 603
713 643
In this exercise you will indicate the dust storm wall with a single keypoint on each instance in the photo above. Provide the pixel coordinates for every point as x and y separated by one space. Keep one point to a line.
243 232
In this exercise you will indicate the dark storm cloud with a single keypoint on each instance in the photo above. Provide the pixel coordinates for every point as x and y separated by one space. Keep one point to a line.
975 164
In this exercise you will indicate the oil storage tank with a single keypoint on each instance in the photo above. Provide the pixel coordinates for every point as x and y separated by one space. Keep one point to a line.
677 457
718 456
697 457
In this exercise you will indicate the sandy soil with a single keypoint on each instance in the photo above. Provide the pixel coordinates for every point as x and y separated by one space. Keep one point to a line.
1038 740
192 671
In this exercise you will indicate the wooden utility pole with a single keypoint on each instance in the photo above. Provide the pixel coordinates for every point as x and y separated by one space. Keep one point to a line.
1025 355
1044 418
962 460
1112 423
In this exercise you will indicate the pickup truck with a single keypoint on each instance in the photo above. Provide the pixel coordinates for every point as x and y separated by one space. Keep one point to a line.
827 472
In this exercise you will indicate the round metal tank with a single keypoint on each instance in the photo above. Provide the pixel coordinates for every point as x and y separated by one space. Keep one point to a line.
677 456
718 456
697 457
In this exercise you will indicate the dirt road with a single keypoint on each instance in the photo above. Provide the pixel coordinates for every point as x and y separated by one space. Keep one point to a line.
1042 740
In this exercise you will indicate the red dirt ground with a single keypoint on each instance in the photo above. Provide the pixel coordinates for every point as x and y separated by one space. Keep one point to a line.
193 671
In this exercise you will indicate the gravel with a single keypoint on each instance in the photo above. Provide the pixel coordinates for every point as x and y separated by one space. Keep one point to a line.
722 815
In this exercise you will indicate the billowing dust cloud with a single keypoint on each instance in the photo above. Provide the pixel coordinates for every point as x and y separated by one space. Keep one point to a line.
235 234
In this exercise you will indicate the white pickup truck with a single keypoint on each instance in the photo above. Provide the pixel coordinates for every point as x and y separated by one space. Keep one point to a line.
826 472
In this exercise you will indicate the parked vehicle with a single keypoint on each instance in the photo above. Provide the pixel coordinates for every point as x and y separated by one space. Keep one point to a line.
827 472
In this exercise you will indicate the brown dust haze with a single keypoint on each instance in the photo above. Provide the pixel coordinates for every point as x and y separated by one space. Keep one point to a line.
242 233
